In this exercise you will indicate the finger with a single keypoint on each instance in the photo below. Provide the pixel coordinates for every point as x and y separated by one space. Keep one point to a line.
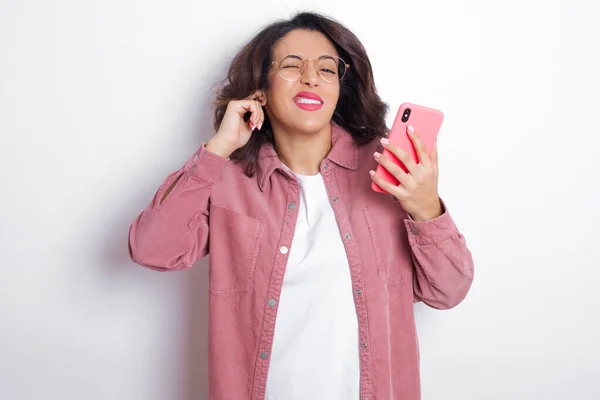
419 146
257 95
434 155
251 106
402 155
257 115
244 106
394 169
261 116
398 192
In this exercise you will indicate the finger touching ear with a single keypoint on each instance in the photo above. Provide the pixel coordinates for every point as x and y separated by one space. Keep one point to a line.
259 96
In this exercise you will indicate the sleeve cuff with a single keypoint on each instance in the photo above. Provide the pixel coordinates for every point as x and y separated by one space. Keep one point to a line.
206 166
432 231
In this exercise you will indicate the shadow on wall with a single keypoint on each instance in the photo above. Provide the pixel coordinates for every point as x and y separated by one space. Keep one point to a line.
196 359
194 348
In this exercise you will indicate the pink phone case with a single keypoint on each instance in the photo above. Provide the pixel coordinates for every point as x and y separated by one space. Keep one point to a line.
427 123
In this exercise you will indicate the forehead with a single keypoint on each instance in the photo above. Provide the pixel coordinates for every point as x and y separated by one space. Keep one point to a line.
308 44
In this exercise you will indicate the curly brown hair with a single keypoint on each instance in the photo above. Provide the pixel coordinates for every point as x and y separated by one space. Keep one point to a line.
359 110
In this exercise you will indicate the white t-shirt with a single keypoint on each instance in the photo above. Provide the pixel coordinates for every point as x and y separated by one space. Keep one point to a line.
315 351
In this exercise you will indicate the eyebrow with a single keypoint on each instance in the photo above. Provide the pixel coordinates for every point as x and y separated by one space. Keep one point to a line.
300 57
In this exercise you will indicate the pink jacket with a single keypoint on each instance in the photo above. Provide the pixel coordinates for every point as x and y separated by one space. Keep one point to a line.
246 225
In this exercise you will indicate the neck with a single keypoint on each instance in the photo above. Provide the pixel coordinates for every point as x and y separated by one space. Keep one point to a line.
303 153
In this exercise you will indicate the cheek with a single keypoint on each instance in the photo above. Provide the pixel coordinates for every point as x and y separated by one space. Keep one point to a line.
333 95
278 93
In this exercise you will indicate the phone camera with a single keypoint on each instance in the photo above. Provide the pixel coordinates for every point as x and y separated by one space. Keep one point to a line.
406 115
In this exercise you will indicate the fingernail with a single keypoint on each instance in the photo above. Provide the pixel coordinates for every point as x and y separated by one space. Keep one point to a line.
376 154
253 126
385 141
260 126
410 129
372 173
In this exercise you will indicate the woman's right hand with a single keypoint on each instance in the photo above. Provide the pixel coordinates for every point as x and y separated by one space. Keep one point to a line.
234 132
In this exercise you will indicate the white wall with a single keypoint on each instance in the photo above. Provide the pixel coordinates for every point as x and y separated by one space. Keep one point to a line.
99 100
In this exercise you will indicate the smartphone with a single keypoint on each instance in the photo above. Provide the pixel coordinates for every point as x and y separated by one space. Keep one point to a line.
426 122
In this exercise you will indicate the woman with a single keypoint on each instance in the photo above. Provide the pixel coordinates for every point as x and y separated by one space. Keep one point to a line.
312 274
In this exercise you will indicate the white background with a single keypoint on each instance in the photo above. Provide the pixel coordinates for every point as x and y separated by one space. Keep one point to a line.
100 100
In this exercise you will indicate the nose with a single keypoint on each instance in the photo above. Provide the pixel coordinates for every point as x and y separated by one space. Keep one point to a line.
310 75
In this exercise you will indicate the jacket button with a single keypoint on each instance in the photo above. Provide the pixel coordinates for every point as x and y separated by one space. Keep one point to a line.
263 355
283 250
292 206
272 302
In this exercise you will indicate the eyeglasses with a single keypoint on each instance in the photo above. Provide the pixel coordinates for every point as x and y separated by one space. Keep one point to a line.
330 68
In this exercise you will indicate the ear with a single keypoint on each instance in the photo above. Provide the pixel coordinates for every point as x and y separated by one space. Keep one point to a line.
260 96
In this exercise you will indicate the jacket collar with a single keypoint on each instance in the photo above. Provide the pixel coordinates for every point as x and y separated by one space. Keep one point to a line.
344 152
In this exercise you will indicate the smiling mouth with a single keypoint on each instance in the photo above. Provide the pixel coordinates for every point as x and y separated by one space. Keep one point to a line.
303 100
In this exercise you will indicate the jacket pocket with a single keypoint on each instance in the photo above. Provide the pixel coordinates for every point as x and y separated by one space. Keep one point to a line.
389 238
234 244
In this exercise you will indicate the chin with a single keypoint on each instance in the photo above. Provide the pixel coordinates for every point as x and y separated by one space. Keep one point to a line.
312 122
313 126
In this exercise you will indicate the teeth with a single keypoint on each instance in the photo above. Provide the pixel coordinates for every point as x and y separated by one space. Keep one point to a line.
302 100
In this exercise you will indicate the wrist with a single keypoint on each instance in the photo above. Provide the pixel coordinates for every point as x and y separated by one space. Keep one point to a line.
428 214
214 146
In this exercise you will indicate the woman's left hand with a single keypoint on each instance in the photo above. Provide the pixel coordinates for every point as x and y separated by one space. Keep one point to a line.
418 189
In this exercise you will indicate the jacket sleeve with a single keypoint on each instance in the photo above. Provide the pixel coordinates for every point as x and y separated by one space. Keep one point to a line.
172 232
443 263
